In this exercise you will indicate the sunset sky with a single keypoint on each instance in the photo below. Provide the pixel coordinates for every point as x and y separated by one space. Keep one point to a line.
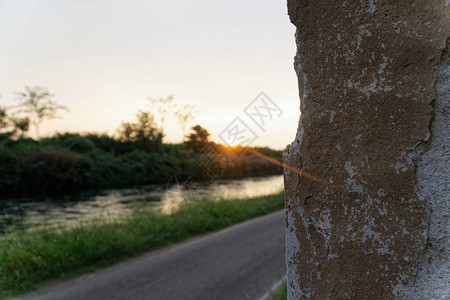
102 59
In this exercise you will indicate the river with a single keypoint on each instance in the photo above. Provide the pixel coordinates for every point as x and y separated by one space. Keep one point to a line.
72 209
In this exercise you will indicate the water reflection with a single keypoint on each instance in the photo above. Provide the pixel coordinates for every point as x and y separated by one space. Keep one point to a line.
73 209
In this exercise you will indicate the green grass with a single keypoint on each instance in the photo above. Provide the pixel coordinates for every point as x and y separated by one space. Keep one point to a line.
280 293
29 258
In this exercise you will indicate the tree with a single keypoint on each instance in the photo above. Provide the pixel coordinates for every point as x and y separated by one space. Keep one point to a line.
10 125
185 115
144 131
37 104
21 124
5 133
198 138
162 107
3 118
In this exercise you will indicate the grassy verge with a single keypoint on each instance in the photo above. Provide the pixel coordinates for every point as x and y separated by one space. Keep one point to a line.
280 293
29 258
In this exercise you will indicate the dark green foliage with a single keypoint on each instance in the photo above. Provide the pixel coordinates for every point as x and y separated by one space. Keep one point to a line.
47 169
12 125
109 144
8 168
3 118
21 124
143 133
275 154
28 258
70 161
78 144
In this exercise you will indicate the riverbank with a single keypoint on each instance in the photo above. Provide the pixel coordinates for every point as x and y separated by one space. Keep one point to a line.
73 162
71 209
29 258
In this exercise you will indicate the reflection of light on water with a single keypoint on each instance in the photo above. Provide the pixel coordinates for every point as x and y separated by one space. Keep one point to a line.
171 199
113 204
178 195
247 188
104 207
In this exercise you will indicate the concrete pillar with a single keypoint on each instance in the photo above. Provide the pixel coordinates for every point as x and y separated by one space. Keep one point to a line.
368 182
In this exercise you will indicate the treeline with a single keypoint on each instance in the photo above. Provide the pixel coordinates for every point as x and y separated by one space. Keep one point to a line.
136 155
72 161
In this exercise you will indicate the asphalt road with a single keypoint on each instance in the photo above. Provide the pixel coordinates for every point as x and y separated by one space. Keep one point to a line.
239 262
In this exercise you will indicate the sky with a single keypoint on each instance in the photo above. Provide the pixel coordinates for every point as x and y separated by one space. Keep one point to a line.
103 59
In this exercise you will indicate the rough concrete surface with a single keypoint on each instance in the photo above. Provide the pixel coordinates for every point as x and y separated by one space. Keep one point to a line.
368 208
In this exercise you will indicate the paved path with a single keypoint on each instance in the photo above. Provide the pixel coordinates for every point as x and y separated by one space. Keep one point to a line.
239 262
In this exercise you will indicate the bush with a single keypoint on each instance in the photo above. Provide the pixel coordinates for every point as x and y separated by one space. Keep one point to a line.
70 161
47 168
79 144
8 169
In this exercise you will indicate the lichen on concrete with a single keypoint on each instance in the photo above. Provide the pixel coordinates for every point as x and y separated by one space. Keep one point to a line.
367 188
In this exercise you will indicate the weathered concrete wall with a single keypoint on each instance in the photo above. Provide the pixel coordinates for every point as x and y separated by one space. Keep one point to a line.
368 214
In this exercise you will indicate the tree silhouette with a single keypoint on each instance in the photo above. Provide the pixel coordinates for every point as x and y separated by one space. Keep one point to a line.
162 107
185 115
37 104
3 118
9 125
21 124
198 138
144 131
